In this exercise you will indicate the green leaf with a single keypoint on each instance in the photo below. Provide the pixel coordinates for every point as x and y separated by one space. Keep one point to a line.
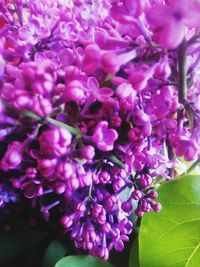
134 256
55 251
171 238
82 261
18 240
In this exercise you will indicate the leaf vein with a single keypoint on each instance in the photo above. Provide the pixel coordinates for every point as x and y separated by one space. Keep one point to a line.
189 259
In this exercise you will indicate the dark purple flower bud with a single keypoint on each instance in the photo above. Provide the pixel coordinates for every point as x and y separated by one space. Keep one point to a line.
145 206
106 227
104 253
76 231
100 195
145 180
115 232
127 207
41 106
89 234
152 194
72 183
13 156
118 244
109 202
46 166
118 184
104 137
126 226
67 221
32 189
59 187
129 160
139 212
81 208
31 172
156 206
74 92
85 179
104 177
88 152
139 161
22 100
135 134
137 194
64 170
55 142
115 122
142 119
38 77
99 213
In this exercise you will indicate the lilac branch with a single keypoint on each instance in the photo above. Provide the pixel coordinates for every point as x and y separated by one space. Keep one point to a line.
115 160
182 68
60 124
194 165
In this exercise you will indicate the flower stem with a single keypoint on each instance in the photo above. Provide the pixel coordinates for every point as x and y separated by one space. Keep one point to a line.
60 124
194 164
71 129
182 67
115 160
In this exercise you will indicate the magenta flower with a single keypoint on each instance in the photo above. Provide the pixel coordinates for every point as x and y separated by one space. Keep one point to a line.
186 147
74 91
126 91
169 22
46 166
165 101
13 157
100 94
111 62
55 142
104 137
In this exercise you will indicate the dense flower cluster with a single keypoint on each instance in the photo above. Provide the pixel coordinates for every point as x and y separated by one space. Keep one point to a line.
94 107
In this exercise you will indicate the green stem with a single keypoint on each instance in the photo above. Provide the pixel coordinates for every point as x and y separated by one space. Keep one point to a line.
194 164
60 124
115 160
182 67
31 115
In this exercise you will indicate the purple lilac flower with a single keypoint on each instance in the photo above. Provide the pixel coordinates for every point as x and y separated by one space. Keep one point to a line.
104 137
90 108
169 22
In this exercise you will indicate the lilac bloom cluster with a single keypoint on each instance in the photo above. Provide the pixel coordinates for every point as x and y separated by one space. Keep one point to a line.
94 104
